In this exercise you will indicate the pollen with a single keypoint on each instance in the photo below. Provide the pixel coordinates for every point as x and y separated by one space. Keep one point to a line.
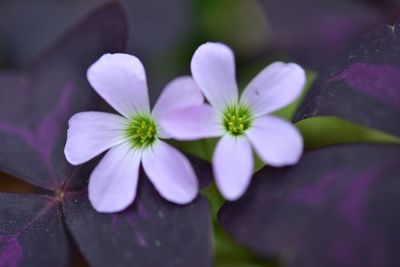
141 132
237 119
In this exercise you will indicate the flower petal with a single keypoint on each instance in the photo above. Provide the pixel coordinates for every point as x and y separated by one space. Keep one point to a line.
112 184
277 142
121 80
191 123
179 93
91 133
171 173
233 166
274 87
213 69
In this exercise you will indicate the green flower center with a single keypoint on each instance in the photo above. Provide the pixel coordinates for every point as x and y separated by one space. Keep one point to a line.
141 132
237 119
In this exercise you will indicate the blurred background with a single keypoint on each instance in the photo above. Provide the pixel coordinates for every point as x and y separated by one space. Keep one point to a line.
164 35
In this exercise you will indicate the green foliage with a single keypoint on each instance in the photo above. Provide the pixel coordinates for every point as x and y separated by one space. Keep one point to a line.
239 23
322 131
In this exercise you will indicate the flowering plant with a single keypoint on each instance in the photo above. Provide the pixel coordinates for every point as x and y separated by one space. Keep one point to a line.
101 168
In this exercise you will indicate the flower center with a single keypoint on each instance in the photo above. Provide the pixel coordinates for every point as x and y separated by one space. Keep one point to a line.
237 119
141 132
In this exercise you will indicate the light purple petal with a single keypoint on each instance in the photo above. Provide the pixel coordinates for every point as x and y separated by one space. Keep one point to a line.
121 80
112 184
191 123
91 133
233 166
171 173
213 69
277 142
274 87
179 93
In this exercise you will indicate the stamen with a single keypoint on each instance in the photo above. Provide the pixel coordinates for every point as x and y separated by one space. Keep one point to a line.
141 132
237 119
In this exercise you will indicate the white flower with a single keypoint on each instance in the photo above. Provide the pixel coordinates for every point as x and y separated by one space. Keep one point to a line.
131 138
242 122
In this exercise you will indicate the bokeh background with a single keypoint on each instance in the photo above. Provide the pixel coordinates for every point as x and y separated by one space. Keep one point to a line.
164 35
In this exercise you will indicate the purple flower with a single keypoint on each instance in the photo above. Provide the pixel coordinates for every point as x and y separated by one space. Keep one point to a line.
131 138
242 122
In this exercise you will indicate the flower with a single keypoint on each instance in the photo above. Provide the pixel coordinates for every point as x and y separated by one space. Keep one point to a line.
132 138
243 122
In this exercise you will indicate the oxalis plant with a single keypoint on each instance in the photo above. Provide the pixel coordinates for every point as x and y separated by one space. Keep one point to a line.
210 175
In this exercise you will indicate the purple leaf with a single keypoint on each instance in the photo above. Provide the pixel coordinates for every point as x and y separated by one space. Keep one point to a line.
202 169
364 86
318 31
152 232
29 27
36 24
36 105
337 207
31 232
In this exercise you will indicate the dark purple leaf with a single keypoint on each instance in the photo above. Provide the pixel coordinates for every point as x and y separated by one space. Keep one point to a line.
203 170
36 105
29 27
135 235
152 232
364 86
156 28
315 32
36 24
337 207
31 232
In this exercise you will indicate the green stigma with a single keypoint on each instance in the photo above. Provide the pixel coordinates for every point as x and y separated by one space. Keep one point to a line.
237 119
141 131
